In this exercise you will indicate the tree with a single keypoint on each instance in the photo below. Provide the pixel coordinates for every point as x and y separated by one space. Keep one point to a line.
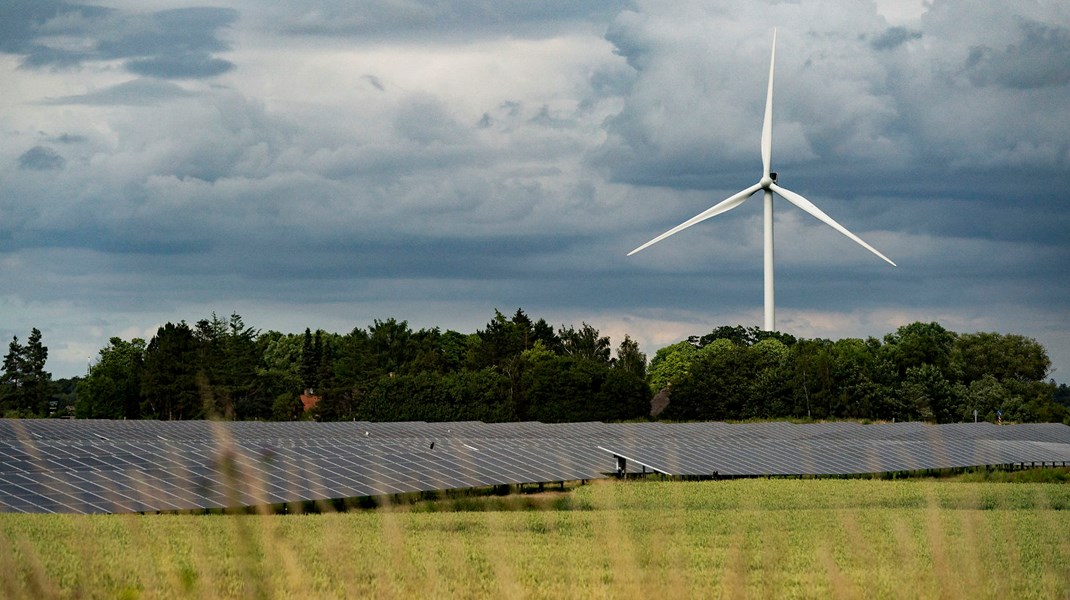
671 364
278 370
810 371
454 348
630 358
169 386
920 344
310 359
1004 357
112 390
863 381
741 336
227 362
717 386
586 343
928 395
13 378
499 346
501 341
25 386
391 342
569 389
38 382
986 395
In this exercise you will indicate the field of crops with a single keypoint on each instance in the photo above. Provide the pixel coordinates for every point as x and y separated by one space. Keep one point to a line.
753 538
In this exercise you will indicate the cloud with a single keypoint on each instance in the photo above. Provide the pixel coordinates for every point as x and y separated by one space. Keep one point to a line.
23 22
375 82
894 37
188 65
423 119
1041 58
41 158
433 161
172 43
169 44
138 92
385 19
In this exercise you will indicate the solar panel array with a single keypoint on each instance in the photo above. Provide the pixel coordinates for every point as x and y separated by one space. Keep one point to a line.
147 466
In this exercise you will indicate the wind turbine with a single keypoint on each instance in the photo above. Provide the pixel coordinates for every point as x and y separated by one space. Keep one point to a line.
768 185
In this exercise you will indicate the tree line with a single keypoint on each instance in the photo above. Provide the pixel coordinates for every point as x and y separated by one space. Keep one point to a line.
513 369
922 371
517 368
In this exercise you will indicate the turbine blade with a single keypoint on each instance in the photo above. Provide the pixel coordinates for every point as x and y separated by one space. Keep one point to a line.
809 207
723 206
767 124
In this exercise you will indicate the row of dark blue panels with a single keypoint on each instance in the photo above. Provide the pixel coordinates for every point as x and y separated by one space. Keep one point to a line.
87 456
237 477
254 463
833 457
298 432
241 479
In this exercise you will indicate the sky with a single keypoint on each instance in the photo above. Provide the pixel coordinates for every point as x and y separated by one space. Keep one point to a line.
325 163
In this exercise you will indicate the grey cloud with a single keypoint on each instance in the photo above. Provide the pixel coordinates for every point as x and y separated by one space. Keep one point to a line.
607 81
467 18
193 65
512 107
173 43
41 158
38 56
425 120
139 92
1040 59
170 44
894 37
23 21
546 119
69 138
375 82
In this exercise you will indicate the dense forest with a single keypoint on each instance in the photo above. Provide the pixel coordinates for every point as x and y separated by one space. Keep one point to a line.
517 368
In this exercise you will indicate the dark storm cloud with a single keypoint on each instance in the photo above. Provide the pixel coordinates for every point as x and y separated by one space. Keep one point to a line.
184 66
23 21
41 158
139 92
894 37
173 43
1041 58
170 44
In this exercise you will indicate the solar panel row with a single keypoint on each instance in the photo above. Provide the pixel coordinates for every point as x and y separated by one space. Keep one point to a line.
142 466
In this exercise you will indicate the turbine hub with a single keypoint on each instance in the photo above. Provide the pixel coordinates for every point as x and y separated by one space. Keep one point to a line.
766 182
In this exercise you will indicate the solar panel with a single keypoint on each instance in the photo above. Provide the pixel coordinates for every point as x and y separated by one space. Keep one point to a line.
143 466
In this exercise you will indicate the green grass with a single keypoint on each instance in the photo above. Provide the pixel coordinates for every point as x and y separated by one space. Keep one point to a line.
756 538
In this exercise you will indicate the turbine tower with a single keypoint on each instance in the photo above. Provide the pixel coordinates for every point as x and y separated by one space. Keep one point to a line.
768 185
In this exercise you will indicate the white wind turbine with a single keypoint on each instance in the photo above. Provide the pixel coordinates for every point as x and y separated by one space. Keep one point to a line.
768 185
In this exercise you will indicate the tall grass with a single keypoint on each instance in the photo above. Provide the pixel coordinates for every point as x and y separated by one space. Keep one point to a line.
746 538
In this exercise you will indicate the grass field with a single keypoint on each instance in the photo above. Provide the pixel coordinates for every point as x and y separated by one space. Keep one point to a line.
731 539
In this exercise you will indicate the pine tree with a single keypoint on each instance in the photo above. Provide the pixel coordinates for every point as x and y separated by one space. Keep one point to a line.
25 386
11 381
309 360
38 382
